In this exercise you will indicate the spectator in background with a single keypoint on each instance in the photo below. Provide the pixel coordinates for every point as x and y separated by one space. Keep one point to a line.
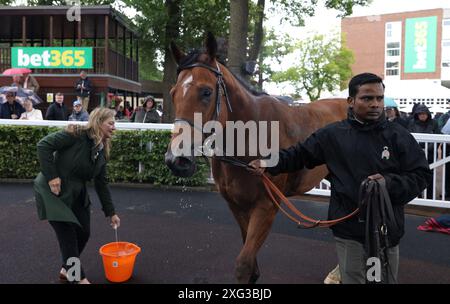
57 110
30 83
11 109
128 110
422 122
120 113
78 113
393 115
83 88
30 112
442 120
147 113
17 81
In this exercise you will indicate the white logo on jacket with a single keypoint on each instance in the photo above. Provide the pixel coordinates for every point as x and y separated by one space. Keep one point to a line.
385 154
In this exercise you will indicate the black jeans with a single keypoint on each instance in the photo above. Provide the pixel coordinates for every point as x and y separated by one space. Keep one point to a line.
72 238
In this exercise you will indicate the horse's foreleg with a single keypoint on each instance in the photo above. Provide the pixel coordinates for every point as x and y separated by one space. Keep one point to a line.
242 218
261 219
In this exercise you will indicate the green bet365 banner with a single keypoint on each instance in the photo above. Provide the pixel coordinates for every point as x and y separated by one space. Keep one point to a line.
420 45
52 57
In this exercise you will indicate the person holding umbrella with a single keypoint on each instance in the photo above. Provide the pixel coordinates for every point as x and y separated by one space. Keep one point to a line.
30 83
68 160
17 81
11 109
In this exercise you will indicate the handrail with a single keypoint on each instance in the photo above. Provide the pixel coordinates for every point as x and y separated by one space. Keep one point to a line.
61 123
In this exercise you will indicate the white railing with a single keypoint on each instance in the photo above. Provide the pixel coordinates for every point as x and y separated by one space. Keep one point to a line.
438 197
60 123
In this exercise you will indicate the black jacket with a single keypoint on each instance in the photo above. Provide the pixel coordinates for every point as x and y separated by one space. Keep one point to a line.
353 151
56 112
429 126
88 87
6 110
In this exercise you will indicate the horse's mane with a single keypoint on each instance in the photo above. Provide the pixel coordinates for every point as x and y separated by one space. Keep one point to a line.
192 57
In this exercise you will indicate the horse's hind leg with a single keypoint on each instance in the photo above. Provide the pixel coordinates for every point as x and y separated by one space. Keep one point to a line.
260 222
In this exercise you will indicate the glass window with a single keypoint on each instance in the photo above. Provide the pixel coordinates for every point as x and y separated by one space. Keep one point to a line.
392 72
393 52
390 65
393 45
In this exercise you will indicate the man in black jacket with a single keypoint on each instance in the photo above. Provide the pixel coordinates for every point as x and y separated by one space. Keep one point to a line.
83 88
11 109
363 146
57 110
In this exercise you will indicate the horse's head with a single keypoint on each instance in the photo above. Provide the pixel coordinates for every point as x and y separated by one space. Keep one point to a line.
196 94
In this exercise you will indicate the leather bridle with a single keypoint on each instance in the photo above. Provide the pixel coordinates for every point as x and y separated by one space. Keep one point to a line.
220 89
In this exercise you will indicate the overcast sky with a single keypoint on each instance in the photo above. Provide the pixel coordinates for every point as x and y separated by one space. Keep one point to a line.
325 21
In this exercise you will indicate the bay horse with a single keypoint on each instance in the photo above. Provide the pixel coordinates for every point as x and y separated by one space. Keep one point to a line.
206 86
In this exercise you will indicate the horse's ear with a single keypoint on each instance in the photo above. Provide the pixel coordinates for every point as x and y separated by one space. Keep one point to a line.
178 55
211 45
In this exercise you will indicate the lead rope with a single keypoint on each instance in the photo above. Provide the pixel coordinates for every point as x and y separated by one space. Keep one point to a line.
271 188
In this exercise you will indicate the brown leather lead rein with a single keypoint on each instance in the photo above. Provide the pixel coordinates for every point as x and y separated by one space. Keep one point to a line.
271 188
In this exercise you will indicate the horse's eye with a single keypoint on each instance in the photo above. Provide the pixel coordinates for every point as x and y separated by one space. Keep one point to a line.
205 93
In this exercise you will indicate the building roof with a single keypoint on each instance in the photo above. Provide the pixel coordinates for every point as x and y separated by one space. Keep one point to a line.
9 12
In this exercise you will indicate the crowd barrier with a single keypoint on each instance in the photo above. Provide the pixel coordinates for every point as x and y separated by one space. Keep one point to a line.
440 143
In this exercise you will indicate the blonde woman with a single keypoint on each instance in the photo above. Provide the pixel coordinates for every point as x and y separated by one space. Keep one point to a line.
30 112
69 159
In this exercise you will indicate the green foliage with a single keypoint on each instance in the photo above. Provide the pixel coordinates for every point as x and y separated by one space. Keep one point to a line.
18 157
322 64
274 48
294 11
197 17
56 2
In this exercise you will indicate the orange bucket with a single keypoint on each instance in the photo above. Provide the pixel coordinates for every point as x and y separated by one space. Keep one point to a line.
118 260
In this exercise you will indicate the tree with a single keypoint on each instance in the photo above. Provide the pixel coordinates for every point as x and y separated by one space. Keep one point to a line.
274 48
174 20
292 11
57 2
322 64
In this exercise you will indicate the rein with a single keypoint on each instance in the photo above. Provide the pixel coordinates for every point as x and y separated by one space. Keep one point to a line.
271 188
381 228
220 86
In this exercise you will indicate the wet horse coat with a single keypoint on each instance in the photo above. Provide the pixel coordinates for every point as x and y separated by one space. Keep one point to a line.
196 91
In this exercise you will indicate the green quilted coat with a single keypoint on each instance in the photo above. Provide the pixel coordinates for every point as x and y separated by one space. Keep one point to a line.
75 160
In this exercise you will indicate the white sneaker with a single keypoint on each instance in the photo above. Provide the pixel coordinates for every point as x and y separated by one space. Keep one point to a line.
84 281
334 277
63 275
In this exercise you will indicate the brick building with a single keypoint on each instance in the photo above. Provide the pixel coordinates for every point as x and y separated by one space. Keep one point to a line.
401 47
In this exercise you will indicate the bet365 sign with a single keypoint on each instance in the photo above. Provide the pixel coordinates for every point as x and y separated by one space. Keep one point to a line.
51 57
